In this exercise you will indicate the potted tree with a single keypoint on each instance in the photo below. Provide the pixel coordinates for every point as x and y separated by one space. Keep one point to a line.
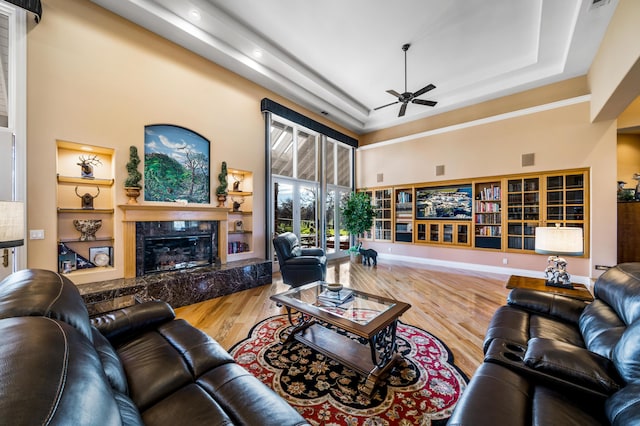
132 183
223 188
357 215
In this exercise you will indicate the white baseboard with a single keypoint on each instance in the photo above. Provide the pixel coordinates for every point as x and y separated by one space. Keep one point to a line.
478 267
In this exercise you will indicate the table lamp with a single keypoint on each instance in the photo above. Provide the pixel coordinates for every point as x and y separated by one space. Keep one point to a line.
558 241
11 227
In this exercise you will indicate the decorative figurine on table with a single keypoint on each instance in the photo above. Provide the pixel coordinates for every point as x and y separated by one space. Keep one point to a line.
556 272
87 164
87 199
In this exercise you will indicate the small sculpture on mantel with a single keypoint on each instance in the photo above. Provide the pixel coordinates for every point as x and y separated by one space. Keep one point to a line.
86 165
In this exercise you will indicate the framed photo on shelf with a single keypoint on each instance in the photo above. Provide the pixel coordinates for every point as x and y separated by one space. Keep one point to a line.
67 262
101 256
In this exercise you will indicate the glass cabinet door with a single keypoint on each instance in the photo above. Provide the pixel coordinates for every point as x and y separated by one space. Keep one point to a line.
434 232
523 212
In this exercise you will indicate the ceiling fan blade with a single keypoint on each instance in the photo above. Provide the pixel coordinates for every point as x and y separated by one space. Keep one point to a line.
424 90
403 109
423 102
394 93
383 106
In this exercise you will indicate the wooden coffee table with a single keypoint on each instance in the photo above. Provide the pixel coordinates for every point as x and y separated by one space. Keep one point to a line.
579 291
373 360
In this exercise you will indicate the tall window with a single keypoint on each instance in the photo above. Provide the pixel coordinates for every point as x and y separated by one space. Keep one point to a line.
308 170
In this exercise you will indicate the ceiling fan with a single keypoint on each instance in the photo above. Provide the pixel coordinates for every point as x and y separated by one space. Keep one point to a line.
407 97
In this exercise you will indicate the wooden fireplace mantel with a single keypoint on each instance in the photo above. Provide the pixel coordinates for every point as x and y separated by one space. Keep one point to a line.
168 212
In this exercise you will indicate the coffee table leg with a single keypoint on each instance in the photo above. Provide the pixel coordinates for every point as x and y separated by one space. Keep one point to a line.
383 345
384 356
300 323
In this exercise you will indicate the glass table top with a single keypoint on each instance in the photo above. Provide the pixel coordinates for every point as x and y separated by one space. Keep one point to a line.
355 306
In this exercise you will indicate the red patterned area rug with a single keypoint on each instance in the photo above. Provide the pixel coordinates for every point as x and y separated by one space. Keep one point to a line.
421 390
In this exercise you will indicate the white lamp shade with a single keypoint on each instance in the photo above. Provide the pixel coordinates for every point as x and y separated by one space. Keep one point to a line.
11 224
559 241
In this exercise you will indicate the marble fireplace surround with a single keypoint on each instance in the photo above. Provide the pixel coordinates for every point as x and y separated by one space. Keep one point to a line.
181 287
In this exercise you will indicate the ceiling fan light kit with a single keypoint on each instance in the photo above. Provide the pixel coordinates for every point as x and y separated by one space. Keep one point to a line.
406 97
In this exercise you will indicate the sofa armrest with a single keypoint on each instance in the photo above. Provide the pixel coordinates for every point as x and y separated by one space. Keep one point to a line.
312 252
572 364
565 308
512 356
133 320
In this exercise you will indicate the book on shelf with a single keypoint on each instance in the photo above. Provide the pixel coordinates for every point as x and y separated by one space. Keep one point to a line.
335 297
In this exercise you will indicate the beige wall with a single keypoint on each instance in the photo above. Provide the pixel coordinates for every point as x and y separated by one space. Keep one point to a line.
560 138
95 78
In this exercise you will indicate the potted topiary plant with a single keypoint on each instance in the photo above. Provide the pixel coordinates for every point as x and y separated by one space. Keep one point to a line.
357 216
223 188
132 183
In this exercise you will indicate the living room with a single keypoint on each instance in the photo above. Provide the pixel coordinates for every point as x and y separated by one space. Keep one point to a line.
70 97
95 78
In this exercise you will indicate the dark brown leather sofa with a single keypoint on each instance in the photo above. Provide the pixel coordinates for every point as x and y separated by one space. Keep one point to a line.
134 366
553 360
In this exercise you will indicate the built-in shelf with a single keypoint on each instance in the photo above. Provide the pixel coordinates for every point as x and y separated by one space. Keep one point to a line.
76 240
90 211
240 235
91 185
85 181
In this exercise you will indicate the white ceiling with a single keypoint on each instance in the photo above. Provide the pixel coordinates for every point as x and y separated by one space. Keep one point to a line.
340 57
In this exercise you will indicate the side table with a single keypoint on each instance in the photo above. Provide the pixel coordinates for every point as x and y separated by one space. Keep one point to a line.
579 291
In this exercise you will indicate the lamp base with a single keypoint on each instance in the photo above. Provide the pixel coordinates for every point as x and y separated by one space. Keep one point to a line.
559 284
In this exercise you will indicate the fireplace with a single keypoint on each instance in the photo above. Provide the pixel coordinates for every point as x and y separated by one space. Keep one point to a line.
172 245
175 231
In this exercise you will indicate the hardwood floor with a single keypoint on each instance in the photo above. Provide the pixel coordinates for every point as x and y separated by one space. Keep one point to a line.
454 305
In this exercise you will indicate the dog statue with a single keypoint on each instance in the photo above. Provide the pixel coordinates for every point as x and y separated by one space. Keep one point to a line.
368 255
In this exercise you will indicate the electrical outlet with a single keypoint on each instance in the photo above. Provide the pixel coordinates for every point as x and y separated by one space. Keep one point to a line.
36 234
505 261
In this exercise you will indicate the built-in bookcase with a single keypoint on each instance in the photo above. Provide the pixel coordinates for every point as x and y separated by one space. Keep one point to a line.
506 210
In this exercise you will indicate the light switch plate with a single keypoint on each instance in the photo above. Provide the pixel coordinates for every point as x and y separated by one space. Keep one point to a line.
36 234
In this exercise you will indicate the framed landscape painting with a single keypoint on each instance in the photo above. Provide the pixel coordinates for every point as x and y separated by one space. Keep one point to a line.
176 165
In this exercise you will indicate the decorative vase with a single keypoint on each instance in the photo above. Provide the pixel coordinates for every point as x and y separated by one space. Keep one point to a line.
87 228
133 193
221 200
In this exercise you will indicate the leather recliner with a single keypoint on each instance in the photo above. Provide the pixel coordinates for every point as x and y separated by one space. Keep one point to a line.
299 265
551 359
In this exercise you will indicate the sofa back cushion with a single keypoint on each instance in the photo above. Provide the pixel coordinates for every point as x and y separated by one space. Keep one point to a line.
52 375
619 287
37 292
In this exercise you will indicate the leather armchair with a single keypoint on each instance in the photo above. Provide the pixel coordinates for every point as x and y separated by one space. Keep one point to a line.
299 265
